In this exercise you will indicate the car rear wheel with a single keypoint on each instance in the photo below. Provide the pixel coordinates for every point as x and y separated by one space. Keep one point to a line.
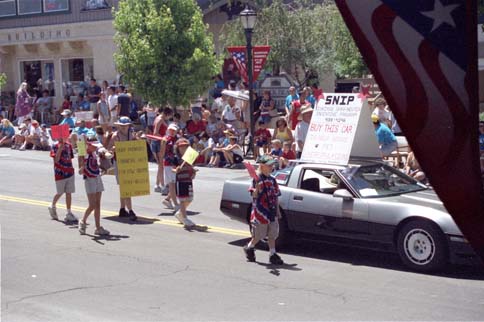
422 246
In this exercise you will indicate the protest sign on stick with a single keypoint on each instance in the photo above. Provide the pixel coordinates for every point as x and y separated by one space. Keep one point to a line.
190 155
81 148
251 169
59 131
132 161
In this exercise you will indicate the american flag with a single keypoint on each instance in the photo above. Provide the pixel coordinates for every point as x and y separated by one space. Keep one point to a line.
239 57
423 54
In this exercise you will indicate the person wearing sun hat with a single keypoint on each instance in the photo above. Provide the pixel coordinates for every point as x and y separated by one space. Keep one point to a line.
122 134
184 175
302 128
167 151
68 119
89 169
386 139
265 214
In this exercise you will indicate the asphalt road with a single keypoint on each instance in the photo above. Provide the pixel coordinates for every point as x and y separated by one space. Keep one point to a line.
154 270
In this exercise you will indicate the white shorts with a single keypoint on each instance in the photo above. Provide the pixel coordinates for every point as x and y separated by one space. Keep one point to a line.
169 175
67 185
93 185
270 230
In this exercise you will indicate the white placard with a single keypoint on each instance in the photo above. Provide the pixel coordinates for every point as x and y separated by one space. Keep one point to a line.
332 129
84 116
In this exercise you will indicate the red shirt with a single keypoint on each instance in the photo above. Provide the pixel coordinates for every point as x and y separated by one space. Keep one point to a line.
296 105
262 135
163 128
290 155
193 128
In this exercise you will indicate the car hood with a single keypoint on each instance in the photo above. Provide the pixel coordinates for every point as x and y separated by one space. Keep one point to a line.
426 198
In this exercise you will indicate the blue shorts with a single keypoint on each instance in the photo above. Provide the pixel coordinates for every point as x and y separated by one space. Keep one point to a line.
260 144
155 146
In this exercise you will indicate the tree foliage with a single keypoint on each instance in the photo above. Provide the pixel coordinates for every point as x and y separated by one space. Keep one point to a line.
3 80
165 50
305 34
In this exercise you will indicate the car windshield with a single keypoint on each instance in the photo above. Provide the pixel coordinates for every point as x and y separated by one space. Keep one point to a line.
282 175
380 181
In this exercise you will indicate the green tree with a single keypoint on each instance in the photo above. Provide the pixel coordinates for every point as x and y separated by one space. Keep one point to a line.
304 34
165 50
3 80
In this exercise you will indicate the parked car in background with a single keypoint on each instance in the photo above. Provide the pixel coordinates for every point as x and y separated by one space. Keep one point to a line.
367 204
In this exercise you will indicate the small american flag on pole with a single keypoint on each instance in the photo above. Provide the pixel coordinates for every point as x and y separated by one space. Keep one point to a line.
423 54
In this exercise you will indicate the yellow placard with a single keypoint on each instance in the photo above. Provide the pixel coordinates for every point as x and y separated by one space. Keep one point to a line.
190 155
81 148
132 162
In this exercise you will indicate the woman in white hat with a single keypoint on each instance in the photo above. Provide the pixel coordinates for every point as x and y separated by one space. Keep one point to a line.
123 133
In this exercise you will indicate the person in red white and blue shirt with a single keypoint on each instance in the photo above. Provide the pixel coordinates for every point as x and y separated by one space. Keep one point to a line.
89 169
265 214
62 153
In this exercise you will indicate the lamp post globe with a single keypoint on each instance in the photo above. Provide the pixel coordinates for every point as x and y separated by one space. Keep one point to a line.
248 18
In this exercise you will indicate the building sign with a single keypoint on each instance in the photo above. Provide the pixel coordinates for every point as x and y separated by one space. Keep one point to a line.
38 35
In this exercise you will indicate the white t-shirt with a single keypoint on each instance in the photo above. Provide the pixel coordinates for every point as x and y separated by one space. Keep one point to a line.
112 101
383 115
229 113
301 133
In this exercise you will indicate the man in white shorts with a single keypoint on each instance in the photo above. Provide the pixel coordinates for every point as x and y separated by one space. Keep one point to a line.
63 154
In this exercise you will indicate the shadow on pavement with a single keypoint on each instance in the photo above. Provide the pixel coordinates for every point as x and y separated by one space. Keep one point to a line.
99 239
364 257
276 269
125 220
171 212
199 228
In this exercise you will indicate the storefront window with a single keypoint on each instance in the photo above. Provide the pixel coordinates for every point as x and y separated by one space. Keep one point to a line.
27 7
7 8
56 5
39 75
95 4
76 74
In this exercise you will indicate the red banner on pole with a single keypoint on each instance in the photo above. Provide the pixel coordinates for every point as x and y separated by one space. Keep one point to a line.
259 57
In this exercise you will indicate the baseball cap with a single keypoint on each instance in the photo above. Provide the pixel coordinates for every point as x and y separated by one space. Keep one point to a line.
267 160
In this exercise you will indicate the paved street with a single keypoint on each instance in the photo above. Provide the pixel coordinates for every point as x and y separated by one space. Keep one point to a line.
155 270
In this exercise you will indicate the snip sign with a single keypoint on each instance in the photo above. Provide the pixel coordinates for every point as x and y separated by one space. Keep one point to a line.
332 130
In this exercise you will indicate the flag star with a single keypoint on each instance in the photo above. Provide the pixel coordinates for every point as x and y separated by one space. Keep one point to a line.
441 14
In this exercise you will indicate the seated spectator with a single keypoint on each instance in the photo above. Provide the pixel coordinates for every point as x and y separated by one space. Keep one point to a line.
19 138
413 169
211 127
68 119
261 137
276 151
44 107
287 155
82 104
218 156
7 133
282 132
44 138
233 153
208 145
33 139
195 126
386 138
267 105
178 121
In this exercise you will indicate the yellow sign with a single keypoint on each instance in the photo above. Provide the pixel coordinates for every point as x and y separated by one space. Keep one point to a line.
190 155
81 148
133 175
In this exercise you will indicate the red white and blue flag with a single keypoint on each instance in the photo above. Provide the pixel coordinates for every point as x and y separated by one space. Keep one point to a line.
259 57
423 54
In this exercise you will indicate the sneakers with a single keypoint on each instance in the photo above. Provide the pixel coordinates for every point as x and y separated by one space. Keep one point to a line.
167 203
227 166
177 207
132 216
70 217
275 259
188 223
53 213
101 231
165 190
179 217
249 254
158 189
82 227
22 148
123 213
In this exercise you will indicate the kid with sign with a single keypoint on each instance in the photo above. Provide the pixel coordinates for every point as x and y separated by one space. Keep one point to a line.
185 173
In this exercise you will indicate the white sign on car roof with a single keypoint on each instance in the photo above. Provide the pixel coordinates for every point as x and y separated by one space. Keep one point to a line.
340 129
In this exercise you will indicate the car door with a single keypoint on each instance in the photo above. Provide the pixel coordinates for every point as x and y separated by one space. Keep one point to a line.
313 208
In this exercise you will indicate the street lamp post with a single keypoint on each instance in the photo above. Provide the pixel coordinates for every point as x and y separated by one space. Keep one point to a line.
248 18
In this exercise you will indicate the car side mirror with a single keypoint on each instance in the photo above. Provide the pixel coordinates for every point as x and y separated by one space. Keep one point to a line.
344 194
